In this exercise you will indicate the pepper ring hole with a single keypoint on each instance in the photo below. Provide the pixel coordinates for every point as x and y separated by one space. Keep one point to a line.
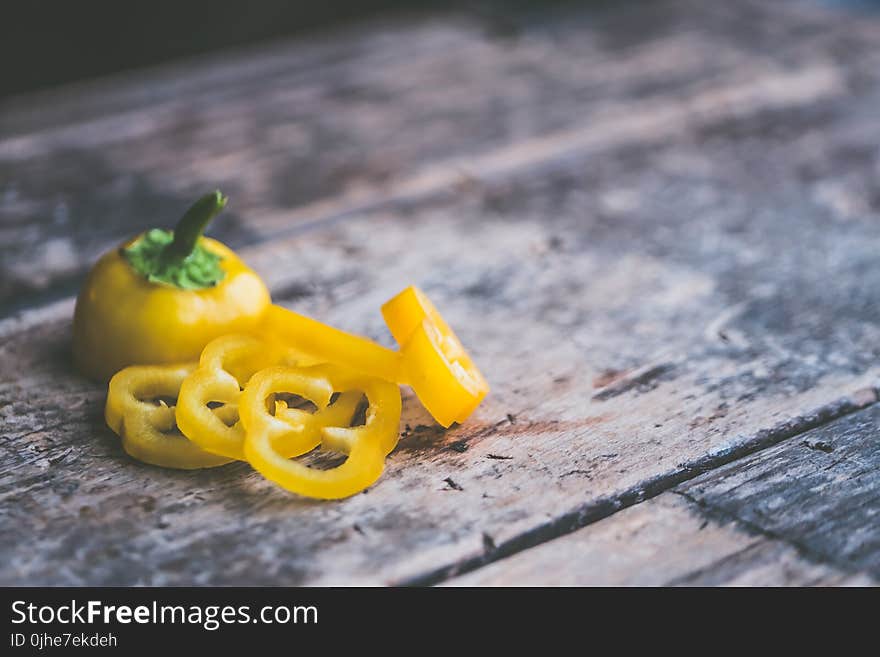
359 418
321 459
227 413
292 400
161 400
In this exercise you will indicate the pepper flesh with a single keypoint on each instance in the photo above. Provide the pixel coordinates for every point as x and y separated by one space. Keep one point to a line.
225 366
135 410
268 439
437 365
331 345
124 318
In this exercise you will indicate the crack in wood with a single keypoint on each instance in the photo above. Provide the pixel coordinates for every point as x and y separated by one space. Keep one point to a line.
819 446
721 515
642 379
451 484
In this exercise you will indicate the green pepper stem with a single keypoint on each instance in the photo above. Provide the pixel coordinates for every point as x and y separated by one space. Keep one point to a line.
191 226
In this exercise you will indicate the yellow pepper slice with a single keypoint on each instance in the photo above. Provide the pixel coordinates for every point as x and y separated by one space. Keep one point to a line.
330 345
436 364
268 439
431 358
225 366
147 427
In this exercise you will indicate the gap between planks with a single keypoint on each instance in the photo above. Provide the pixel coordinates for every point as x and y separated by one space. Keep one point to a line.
798 513
603 508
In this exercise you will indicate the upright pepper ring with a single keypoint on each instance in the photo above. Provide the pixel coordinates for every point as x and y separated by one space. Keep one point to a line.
435 363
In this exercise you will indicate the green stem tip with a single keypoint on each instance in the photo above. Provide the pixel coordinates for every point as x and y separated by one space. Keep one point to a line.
177 258
191 226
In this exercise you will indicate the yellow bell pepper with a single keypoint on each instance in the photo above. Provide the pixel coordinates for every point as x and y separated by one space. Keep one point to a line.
136 410
161 297
431 359
225 366
269 440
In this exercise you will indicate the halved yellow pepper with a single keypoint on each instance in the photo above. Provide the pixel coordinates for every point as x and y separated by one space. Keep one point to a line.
225 366
137 412
161 297
268 439
431 358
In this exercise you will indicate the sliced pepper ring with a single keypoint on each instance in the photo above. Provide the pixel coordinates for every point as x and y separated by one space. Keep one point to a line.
267 438
148 429
436 364
224 367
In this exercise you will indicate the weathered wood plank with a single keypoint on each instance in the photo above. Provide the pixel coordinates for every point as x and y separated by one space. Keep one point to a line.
644 311
330 127
803 512
662 542
819 492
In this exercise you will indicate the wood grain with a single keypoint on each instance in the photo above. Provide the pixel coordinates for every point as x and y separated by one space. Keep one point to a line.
803 512
650 300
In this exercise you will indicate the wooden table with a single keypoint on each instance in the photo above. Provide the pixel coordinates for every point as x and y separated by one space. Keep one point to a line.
657 228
